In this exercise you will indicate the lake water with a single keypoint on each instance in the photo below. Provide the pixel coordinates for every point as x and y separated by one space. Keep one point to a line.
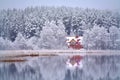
95 67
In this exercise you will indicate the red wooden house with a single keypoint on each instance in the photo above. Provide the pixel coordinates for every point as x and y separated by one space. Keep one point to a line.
74 42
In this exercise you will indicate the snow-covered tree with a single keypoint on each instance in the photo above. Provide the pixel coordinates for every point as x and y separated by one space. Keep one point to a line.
114 37
52 36
32 43
5 44
20 42
97 38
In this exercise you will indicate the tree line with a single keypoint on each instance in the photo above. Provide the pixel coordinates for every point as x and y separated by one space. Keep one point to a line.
100 28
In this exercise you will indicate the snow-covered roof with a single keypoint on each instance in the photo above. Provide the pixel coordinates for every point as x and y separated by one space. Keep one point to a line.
72 37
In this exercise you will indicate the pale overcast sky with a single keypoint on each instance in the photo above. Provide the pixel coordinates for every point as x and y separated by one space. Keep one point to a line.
98 4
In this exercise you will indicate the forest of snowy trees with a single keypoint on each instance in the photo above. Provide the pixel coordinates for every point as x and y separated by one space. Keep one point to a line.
46 28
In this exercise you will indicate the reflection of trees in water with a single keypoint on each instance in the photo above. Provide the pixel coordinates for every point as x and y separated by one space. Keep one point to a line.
73 75
95 68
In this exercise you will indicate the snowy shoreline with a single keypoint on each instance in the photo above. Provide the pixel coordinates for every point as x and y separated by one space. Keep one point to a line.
59 52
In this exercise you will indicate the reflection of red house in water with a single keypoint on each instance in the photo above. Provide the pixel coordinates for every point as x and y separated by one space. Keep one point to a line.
75 59
74 42
75 62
